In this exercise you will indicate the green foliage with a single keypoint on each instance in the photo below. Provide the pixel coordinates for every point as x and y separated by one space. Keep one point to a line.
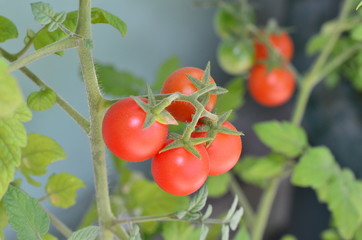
118 83
42 100
234 99
102 16
89 233
316 43
4 219
218 185
12 138
38 154
149 199
62 189
26 216
282 137
260 170
48 236
8 29
330 234
315 168
338 188
288 237
43 12
166 68
356 33
180 231
242 234
10 95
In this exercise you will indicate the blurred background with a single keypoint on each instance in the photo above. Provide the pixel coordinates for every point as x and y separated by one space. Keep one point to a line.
158 29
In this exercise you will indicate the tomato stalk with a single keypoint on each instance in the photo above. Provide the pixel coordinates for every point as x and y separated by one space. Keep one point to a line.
95 101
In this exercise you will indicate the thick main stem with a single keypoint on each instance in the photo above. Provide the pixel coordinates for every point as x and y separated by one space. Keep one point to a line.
96 115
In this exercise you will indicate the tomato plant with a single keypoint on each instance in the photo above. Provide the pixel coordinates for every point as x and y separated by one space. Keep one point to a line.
280 41
179 172
179 81
271 88
224 151
124 135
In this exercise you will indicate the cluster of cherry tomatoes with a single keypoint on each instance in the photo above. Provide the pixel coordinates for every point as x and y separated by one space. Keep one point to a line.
177 170
264 54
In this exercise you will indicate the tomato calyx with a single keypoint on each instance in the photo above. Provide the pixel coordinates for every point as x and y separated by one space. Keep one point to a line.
214 127
156 111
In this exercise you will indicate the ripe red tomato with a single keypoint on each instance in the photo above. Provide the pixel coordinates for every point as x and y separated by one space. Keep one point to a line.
224 152
179 172
123 133
179 82
282 42
272 88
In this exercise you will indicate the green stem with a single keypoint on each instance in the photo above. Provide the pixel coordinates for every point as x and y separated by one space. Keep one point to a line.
59 225
73 113
243 200
60 45
264 209
95 103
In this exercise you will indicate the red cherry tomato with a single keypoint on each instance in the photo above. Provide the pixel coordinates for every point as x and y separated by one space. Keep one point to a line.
224 152
123 133
272 88
179 172
179 82
282 42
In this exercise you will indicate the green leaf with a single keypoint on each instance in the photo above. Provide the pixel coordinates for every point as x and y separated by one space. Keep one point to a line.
234 99
235 219
23 113
4 219
359 5
10 95
259 170
102 16
288 237
356 33
89 233
232 209
135 233
166 68
218 185
62 189
8 29
42 100
316 43
203 232
330 234
179 231
315 168
44 37
282 137
26 216
207 213
39 153
198 201
43 12
242 234
225 230
149 199
332 79
118 83
344 201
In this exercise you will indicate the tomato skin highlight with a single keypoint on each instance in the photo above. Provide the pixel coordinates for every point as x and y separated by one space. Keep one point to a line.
224 152
272 88
179 82
179 172
282 42
123 134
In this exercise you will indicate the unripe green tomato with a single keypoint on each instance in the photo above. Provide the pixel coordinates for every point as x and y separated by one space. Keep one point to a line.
235 57
226 24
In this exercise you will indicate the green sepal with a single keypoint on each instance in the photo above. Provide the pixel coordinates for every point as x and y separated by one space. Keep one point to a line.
151 97
166 118
172 145
206 76
195 81
229 131
191 149
219 91
149 120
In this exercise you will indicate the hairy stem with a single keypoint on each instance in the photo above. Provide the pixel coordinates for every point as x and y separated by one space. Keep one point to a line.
95 103
59 225
60 45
